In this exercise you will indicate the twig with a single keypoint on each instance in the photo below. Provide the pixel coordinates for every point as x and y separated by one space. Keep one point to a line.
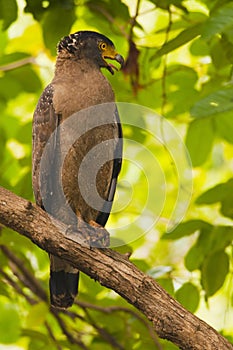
50 332
108 16
110 309
103 332
131 66
133 21
73 315
29 279
17 288
164 74
70 337
18 64
30 300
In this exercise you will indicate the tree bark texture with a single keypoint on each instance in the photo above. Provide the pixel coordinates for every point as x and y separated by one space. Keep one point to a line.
113 270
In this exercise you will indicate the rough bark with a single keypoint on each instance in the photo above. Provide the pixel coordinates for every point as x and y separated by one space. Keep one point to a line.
113 270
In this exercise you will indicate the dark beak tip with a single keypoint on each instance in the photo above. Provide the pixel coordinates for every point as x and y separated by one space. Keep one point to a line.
120 60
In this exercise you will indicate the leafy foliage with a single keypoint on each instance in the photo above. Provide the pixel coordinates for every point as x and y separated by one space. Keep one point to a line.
179 63
183 296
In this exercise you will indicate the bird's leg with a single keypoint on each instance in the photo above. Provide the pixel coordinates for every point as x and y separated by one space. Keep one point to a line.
83 229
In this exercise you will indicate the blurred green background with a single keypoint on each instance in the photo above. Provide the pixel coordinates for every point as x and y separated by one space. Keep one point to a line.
179 57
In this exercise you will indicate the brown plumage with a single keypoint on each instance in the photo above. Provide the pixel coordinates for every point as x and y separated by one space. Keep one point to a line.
68 130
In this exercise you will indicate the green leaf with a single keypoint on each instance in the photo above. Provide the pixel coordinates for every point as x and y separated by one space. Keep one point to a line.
214 271
182 38
227 35
226 208
135 133
224 126
199 47
220 237
114 8
52 31
3 140
187 228
8 12
165 4
37 340
26 77
194 257
36 315
199 140
218 54
217 102
35 7
220 20
208 242
3 39
221 193
9 322
167 345
227 47
217 193
214 5
188 296
17 81
167 284
140 263
181 81
9 87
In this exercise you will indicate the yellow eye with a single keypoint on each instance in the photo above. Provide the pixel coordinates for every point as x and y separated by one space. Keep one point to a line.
103 46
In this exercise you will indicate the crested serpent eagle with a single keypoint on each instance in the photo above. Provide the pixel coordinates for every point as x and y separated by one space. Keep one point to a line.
77 138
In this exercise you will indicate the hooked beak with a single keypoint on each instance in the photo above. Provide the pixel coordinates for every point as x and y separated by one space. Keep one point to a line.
112 55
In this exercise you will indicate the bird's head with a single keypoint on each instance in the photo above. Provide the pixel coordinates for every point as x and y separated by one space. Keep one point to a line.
91 46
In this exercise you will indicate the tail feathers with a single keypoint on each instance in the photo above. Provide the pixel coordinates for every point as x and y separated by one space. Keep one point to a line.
63 283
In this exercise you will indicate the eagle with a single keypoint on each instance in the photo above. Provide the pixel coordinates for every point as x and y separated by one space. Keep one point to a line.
77 146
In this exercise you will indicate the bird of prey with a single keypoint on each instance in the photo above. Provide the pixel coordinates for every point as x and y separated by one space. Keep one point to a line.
68 128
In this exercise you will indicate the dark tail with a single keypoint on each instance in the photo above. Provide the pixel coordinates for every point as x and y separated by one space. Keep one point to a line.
63 283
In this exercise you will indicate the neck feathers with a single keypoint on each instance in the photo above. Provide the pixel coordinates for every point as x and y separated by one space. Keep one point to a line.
68 65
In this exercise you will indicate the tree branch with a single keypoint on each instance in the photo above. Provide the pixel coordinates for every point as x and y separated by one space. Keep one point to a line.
113 270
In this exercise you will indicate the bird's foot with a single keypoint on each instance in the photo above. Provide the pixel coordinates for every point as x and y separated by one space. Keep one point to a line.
99 237
77 235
